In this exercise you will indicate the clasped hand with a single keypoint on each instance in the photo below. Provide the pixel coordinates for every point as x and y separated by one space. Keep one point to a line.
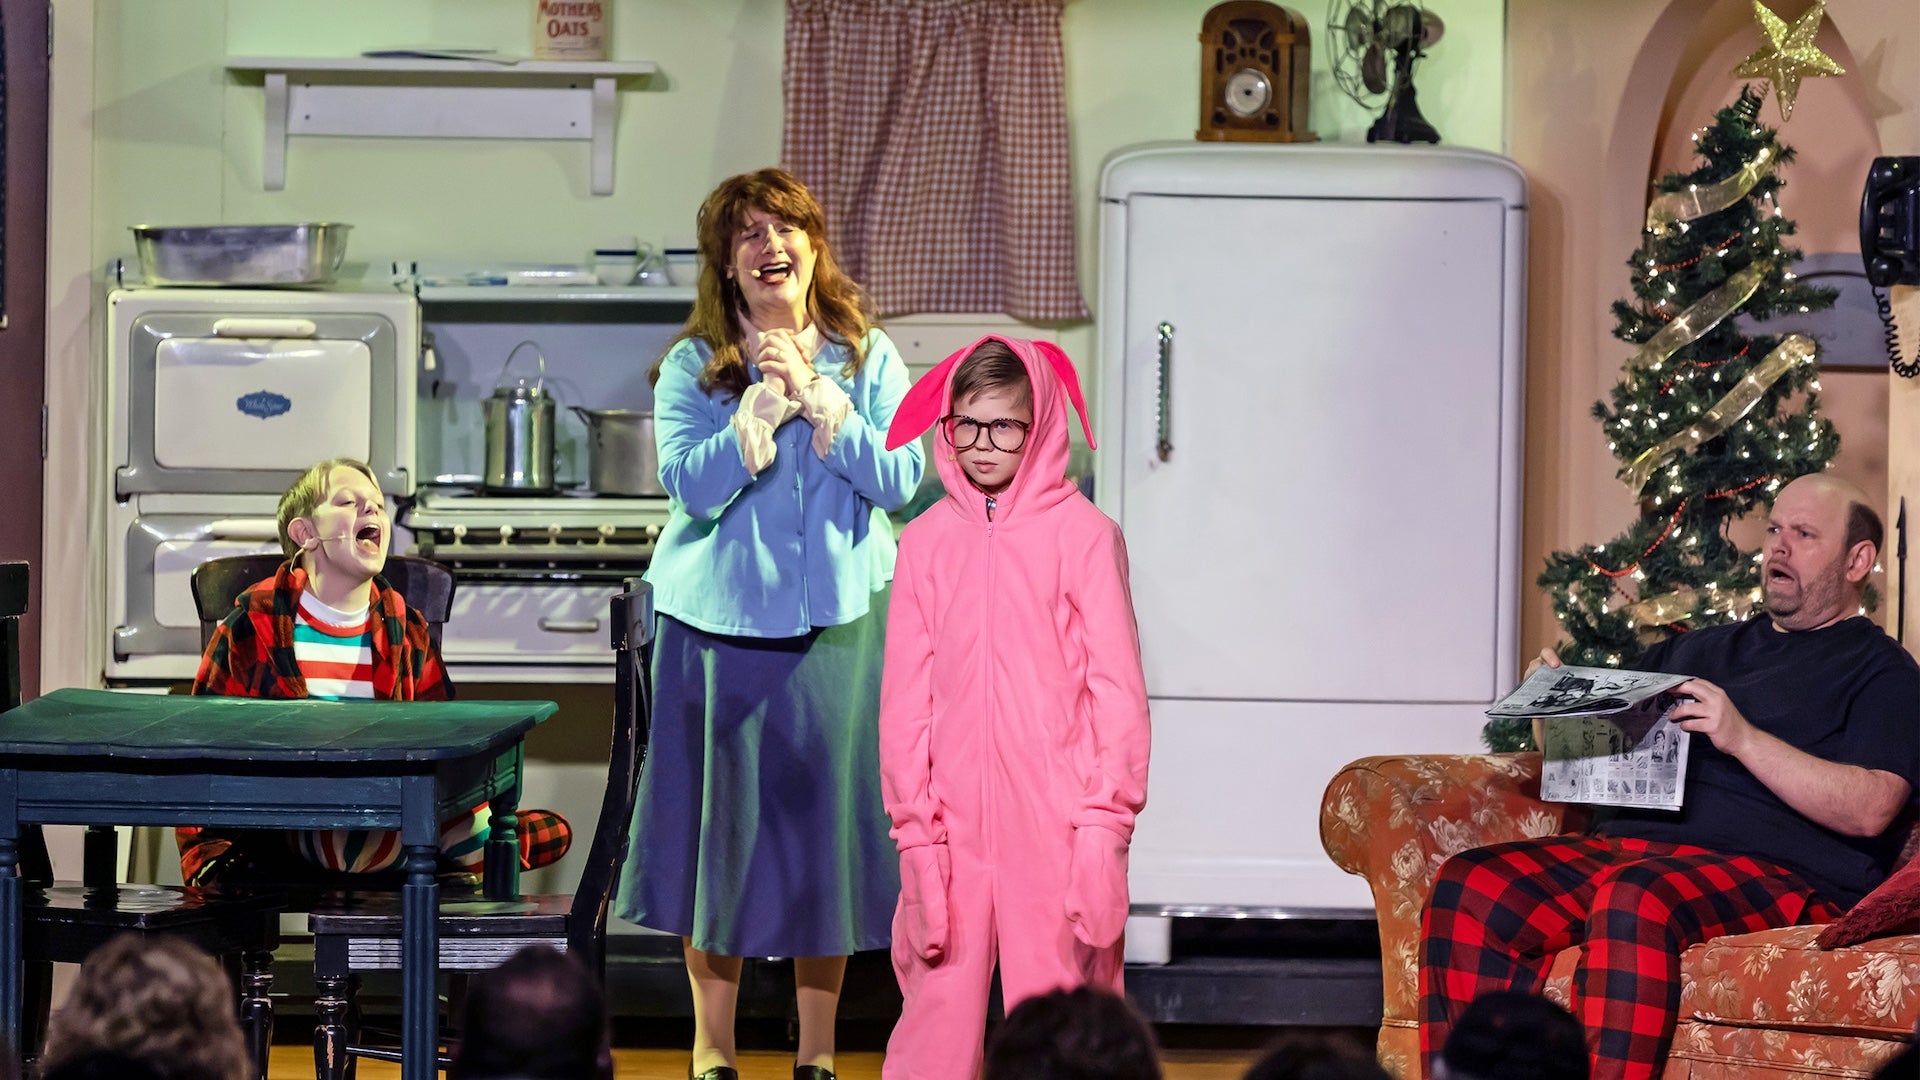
782 364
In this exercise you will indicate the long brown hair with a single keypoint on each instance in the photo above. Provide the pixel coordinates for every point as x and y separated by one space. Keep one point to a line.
834 302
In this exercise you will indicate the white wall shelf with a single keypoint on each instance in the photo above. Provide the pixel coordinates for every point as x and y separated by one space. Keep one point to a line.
425 99
550 294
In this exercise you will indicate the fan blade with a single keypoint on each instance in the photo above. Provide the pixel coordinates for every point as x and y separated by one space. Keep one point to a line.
1359 28
1373 70
1431 27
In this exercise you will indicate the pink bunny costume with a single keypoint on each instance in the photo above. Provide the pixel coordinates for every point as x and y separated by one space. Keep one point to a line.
1013 733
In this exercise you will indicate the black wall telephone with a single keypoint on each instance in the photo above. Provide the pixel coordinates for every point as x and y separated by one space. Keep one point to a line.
1890 241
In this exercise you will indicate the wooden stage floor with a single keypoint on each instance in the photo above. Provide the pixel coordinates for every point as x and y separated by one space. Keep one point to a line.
292 1062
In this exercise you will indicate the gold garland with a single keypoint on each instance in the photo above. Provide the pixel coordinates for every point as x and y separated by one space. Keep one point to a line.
1647 616
1692 324
1674 207
1663 609
1793 350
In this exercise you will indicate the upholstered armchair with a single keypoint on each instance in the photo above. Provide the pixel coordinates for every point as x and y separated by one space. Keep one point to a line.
1762 1006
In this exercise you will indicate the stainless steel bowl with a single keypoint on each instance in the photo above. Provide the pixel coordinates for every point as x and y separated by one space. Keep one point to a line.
305 254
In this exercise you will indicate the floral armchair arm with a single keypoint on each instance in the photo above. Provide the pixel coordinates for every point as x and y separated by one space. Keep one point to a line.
1393 820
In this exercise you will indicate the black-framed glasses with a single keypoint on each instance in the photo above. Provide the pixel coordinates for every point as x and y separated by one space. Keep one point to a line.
963 432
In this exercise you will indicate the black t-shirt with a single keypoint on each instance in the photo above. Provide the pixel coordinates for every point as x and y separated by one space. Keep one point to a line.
1846 693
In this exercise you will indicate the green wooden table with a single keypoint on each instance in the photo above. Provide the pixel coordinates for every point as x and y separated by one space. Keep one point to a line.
104 757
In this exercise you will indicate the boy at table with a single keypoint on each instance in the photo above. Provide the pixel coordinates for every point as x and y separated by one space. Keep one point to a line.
327 625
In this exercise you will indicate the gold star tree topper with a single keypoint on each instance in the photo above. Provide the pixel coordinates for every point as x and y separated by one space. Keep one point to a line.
1789 55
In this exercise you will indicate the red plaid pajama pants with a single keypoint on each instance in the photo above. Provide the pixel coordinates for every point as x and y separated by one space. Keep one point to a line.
1498 916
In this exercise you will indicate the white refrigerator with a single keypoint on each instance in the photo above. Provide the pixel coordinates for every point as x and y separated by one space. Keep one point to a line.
1310 402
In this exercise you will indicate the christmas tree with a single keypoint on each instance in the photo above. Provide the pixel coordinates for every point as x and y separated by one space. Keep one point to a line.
1708 420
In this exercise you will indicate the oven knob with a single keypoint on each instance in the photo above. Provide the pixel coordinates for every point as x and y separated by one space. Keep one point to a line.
459 533
653 532
606 533
553 534
506 533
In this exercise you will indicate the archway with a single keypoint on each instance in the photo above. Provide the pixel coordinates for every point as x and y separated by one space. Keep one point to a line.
1681 77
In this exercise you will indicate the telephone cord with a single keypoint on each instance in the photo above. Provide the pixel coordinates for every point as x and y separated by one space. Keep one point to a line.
1906 369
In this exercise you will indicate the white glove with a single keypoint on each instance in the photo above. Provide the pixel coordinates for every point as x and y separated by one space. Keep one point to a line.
762 409
826 407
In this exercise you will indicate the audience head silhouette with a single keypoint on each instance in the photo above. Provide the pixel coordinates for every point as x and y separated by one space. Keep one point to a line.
1316 1057
1083 1034
539 1016
1511 1035
162 1007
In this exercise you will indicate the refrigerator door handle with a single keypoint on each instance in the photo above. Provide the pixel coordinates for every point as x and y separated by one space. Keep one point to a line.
1165 446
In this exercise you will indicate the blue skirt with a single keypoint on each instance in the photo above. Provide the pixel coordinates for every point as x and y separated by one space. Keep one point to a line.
759 830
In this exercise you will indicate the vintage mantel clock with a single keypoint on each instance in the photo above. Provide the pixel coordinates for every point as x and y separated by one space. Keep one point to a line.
1253 74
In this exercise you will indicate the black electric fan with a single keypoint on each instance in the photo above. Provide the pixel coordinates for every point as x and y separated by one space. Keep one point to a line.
1367 37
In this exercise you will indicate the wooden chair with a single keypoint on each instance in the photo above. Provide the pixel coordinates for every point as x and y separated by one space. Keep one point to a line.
362 933
64 922
426 585
34 863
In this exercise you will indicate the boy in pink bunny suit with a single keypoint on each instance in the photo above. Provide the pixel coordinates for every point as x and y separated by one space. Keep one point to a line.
1013 712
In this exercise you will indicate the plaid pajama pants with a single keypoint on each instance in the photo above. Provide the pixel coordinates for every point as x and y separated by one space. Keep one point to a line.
544 837
1498 916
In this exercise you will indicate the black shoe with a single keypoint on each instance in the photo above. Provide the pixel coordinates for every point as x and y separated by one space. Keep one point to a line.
812 1072
718 1072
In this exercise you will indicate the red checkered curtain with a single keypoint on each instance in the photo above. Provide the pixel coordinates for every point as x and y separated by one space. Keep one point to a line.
934 132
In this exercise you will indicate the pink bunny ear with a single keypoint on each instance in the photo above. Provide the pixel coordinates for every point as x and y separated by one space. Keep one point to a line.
920 409
1063 367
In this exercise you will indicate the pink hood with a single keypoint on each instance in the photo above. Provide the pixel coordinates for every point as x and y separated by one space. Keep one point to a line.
1041 481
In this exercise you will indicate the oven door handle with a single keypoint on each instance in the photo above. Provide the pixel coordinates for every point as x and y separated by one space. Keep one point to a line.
265 328
569 626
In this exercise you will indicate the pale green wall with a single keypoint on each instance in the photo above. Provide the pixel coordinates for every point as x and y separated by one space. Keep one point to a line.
1133 75
179 140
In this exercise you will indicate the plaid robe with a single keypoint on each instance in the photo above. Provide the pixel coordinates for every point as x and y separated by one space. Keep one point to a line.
251 654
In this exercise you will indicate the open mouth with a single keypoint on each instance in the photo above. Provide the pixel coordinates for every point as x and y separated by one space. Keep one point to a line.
1778 576
368 534
774 272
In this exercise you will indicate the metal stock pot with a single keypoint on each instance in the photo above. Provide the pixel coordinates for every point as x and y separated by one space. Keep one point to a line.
621 457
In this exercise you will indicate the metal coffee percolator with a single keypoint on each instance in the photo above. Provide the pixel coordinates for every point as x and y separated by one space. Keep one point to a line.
519 420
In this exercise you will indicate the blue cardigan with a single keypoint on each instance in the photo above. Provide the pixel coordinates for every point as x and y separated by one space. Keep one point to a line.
806 543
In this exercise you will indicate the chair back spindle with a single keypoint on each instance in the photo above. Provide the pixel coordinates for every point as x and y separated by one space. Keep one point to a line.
35 864
632 618
13 605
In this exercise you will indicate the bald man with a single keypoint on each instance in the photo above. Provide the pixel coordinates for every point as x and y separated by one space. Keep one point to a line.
1808 719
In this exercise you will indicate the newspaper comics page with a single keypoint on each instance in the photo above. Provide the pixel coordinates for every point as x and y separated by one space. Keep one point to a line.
1591 759
1582 691
1605 736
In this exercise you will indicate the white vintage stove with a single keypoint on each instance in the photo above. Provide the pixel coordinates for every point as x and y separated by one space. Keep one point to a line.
533 574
